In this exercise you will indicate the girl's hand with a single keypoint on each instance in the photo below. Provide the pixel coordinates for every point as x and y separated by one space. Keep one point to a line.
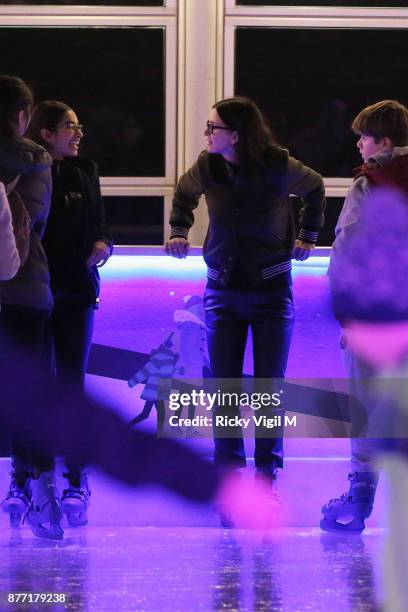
178 247
302 250
100 254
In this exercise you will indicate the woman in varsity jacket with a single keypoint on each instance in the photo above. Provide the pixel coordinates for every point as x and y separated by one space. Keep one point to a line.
251 239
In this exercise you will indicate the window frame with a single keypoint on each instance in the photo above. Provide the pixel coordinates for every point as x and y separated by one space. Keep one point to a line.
309 12
169 9
304 18
48 16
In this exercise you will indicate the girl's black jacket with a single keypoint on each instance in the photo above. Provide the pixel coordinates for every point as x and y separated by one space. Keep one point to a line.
76 221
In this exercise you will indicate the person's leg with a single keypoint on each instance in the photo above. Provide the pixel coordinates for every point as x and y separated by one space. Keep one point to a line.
71 328
272 321
22 331
144 414
226 335
161 415
22 335
348 512
362 406
191 411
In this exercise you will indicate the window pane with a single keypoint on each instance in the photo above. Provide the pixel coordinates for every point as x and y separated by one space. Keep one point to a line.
90 2
315 81
333 209
343 3
135 220
103 73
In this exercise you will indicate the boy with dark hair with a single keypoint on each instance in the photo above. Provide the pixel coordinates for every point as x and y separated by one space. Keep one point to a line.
385 119
383 145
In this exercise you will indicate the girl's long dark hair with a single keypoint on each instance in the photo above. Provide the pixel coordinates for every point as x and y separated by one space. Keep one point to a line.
15 96
255 137
46 115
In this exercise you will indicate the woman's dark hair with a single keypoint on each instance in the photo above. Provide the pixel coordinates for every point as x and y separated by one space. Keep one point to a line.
46 115
255 136
15 96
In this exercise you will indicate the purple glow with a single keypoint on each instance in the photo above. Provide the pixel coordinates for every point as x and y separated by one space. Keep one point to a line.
148 549
129 265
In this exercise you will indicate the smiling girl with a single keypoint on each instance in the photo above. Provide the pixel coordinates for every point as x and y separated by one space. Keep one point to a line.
76 241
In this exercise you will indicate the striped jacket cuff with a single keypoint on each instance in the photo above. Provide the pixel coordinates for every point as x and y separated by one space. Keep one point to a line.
179 232
271 271
212 273
308 236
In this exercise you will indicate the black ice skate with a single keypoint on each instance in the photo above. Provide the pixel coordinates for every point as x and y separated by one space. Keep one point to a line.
270 480
76 499
349 512
17 502
44 515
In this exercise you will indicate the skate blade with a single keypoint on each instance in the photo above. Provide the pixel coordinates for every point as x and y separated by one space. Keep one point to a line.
53 532
16 520
46 524
76 519
354 526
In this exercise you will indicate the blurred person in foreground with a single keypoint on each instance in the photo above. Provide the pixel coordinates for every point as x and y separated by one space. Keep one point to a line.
94 434
371 294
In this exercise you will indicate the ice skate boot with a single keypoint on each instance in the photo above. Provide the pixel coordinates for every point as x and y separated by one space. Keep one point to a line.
229 476
270 480
44 516
17 502
348 513
76 499
226 520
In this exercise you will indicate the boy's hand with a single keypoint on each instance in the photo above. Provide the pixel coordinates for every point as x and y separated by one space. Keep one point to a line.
178 247
302 250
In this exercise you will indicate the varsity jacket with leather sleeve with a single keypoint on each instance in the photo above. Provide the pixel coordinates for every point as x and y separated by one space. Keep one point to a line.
250 221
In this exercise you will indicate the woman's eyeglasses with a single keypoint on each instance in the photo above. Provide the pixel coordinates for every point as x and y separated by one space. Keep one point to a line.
211 127
77 127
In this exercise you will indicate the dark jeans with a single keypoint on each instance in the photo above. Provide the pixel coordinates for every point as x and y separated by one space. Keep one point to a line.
270 315
68 338
22 335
